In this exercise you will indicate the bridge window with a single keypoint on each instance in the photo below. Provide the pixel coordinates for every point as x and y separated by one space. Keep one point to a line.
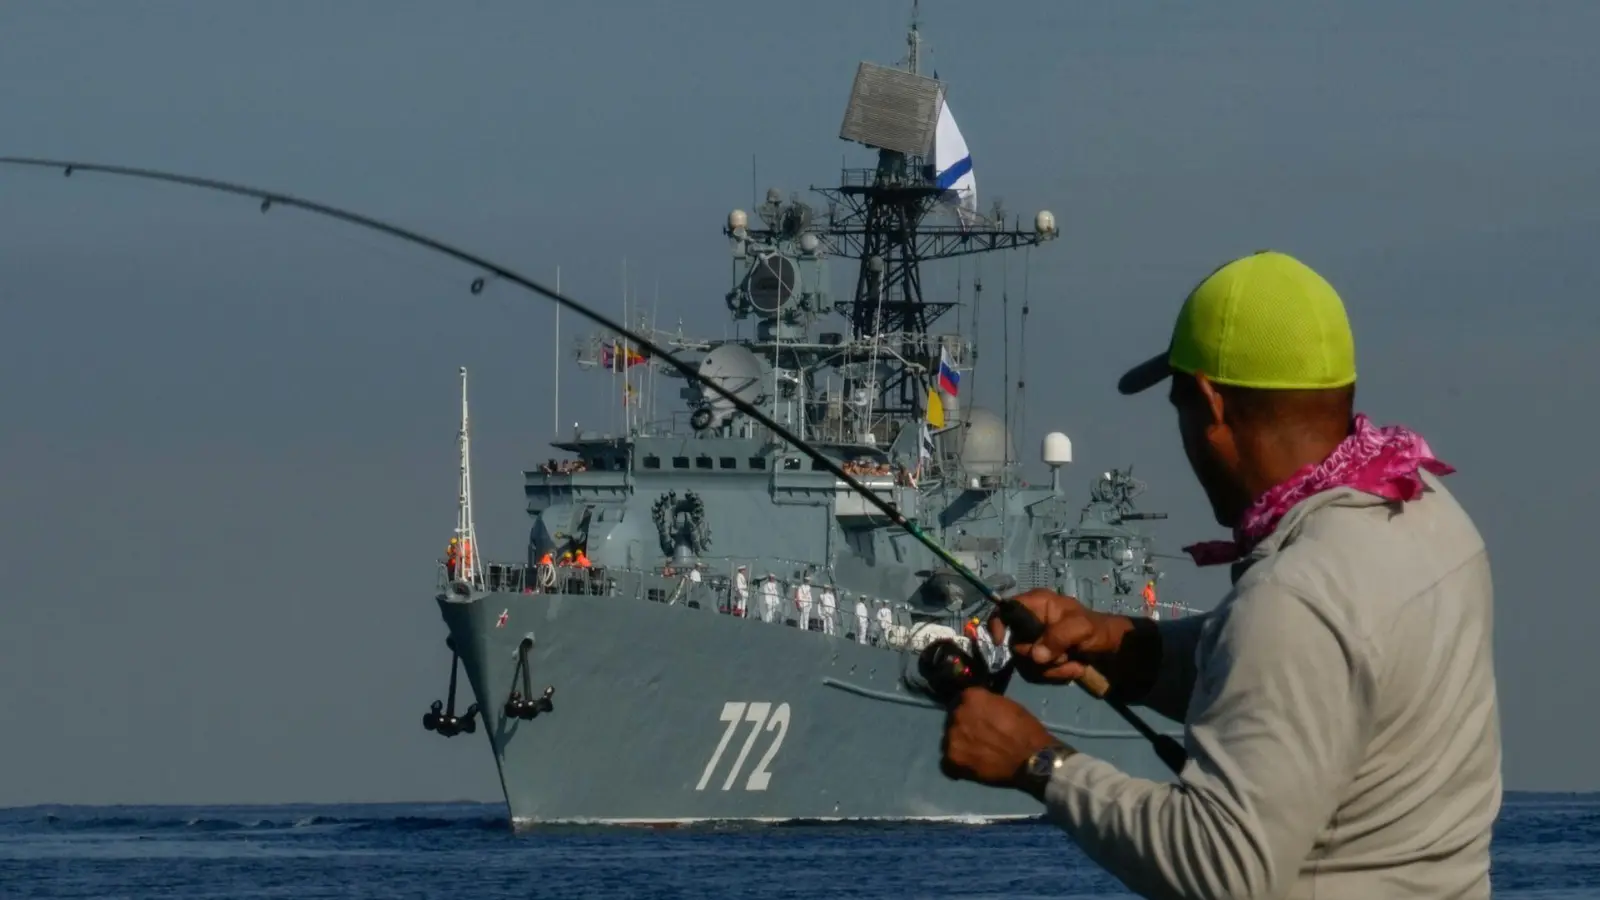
680 462
702 462
758 462
728 462
791 463
652 462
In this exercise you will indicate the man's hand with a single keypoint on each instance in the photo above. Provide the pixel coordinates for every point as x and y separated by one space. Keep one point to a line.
1073 636
988 738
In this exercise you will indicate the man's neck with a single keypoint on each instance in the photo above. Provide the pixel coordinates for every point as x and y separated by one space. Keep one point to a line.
1278 458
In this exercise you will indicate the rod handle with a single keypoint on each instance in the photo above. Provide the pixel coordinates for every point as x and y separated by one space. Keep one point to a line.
1026 628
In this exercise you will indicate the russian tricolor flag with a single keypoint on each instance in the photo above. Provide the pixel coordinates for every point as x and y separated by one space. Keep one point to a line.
949 378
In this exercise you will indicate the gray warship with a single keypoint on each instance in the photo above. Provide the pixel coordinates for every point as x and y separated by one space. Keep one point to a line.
708 627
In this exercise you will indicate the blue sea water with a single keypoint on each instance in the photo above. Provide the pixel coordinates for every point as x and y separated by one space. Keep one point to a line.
1546 846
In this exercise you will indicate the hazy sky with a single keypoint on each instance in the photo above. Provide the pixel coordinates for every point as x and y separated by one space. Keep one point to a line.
229 438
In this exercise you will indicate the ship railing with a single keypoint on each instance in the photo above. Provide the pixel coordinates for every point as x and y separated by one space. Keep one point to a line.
715 593
1134 606
718 591
520 578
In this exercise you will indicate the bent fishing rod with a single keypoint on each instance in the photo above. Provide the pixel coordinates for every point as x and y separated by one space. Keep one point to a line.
1023 624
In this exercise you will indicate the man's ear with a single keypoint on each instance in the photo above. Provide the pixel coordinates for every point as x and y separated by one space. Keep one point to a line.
1212 397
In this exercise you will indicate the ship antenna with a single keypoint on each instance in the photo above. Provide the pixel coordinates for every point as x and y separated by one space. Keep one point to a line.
914 43
466 533
1024 625
1005 380
556 358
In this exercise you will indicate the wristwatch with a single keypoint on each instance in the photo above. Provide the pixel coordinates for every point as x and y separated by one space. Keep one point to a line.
1036 772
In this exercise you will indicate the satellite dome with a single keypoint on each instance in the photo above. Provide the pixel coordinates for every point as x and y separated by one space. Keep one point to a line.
737 220
985 446
1057 449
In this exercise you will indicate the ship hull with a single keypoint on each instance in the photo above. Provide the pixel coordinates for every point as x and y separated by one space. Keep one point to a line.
669 714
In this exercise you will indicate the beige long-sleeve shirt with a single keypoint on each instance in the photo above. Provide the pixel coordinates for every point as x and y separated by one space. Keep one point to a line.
1341 721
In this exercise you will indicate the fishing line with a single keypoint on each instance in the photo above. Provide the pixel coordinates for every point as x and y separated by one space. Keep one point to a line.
1017 617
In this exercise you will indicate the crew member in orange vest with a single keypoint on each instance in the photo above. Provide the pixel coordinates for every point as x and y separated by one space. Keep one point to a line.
450 557
582 560
1150 599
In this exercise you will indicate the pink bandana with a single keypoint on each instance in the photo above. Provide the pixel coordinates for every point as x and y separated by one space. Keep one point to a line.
1379 461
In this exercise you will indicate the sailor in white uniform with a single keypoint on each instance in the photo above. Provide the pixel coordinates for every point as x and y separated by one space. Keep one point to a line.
830 609
885 620
861 620
741 590
769 598
802 602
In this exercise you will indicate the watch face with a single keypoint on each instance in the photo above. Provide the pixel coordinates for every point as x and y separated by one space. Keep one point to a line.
1041 764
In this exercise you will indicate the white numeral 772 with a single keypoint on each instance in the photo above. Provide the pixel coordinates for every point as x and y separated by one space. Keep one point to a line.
734 712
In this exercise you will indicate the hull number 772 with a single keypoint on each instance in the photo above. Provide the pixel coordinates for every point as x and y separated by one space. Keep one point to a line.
735 713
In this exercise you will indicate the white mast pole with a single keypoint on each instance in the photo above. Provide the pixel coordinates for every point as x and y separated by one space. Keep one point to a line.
472 564
556 426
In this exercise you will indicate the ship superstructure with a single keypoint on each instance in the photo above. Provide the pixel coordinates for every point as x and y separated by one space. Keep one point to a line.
709 626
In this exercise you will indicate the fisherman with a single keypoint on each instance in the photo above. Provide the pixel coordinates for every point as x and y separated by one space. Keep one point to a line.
452 553
802 601
830 609
861 619
1339 702
741 590
769 598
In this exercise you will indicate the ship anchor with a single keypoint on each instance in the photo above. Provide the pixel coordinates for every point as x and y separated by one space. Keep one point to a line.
441 718
517 705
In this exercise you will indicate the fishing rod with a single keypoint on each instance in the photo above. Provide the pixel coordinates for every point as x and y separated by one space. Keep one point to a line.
1023 624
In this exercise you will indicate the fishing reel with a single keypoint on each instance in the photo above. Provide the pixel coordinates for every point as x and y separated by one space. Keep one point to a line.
945 669
519 708
447 724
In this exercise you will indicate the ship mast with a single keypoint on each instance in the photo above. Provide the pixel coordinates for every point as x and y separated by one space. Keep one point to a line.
914 44
471 560
877 215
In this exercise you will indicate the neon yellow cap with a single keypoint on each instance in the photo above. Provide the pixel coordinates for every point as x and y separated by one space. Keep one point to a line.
1263 321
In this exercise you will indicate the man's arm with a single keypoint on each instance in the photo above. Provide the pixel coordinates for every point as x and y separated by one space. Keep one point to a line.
1162 655
1277 722
1153 664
